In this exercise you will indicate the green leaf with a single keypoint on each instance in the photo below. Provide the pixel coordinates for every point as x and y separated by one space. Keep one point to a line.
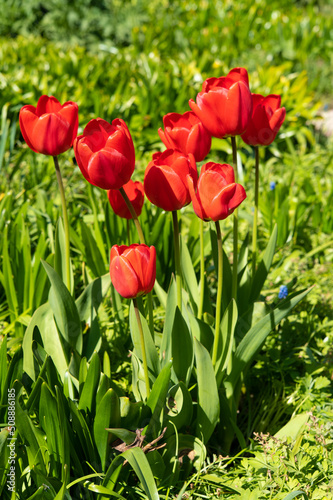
294 427
43 320
92 253
227 330
181 406
157 399
49 421
60 260
88 393
294 494
189 276
141 467
264 266
64 310
171 304
91 298
182 348
255 337
107 414
208 399
151 352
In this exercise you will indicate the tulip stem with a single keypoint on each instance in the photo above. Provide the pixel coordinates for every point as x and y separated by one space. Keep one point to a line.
134 216
202 270
66 225
235 242
128 231
219 292
177 258
143 348
143 242
255 215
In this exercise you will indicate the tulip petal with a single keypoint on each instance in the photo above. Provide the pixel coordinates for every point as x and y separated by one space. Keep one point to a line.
124 278
50 135
69 112
28 119
47 104
196 202
109 169
238 109
165 189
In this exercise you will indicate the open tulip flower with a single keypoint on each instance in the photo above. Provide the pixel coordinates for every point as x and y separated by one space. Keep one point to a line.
135 193
267 118
133 269
217 194
50 128
105 153
165 181
186 133
225 104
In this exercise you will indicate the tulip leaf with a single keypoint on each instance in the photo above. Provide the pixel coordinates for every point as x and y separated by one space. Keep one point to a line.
264 266
171 304
189 276
208 399
64 310
151 352
227 330
92 253
182 348
43 319
141 467
157 399
181 405
48 417
107 414
255 337
60 259
89 301
88 393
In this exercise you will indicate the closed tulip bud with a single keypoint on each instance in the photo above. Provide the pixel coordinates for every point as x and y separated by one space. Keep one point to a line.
267 118
133 269
187 134
165 181
225 104
50 128
105 153
135 193
217 194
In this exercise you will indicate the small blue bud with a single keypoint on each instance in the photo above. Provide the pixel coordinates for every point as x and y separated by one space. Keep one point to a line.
272 185
283 293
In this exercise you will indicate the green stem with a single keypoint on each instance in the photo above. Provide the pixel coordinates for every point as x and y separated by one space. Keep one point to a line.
202 270
143 242
128 231
66 225
219 292
134 216
235 242
255 215
143 348
177 258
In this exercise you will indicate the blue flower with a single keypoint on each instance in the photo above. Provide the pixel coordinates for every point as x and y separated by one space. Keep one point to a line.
283 293
272 185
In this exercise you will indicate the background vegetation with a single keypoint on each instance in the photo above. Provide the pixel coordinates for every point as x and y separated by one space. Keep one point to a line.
139 60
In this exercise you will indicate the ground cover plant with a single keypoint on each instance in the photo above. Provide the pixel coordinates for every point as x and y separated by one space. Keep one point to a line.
215 380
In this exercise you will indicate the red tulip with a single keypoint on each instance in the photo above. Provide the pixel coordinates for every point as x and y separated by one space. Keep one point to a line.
105 153
165 181
267 118
50 128
135 193
133 269
217 195
224 106
186 133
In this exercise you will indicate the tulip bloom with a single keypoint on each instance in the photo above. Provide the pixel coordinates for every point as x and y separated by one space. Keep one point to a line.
50 128
105 153
133 269
135 193
267 118
217 194
225 104
186 133
165 181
